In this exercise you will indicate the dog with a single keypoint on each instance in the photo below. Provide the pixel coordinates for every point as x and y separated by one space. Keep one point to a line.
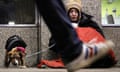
15 52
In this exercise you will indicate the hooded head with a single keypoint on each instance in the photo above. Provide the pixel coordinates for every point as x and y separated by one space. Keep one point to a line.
73 4
73 8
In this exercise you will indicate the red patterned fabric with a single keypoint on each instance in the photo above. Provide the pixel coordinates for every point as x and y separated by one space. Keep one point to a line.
86 34
51 63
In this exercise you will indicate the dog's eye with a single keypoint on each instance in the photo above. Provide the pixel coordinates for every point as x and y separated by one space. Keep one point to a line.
9 54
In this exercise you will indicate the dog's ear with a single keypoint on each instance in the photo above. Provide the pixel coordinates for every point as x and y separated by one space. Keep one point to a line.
14 49
22 54
9 53
25 53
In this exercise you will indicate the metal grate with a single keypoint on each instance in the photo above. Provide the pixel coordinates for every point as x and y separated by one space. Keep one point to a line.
19 11
24 11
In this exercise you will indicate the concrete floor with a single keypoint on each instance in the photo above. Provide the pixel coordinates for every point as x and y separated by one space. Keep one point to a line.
57 70
100 70
31 70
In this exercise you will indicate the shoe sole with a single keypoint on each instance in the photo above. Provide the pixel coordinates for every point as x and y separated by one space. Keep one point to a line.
77 64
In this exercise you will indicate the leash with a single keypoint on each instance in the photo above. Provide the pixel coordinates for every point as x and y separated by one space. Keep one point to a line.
44 50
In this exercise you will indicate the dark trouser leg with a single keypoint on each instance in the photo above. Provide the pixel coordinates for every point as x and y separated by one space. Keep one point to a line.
55 16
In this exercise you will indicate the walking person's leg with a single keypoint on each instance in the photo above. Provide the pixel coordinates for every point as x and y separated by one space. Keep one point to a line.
59 24
74 52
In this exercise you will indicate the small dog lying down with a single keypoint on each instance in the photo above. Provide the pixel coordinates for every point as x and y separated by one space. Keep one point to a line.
15 52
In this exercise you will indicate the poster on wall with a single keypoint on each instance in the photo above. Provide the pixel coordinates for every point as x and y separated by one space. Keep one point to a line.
110 12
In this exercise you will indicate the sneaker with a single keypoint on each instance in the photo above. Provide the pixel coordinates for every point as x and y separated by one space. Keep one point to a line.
90 54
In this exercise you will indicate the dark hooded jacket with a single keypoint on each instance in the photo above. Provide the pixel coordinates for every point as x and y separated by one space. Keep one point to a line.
86 21
14 41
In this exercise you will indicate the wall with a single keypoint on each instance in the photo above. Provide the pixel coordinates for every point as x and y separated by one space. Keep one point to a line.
113 33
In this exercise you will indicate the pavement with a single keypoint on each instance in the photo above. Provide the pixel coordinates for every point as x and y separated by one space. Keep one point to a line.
58 70
100 70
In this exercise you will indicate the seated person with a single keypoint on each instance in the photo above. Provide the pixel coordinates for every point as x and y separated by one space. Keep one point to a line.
81 20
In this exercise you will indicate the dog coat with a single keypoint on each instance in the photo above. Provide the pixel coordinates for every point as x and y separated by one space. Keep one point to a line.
14 41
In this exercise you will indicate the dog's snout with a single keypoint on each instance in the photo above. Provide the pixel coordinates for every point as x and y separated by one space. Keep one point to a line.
15 62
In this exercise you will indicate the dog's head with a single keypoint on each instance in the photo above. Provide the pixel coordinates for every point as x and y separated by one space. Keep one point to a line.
15 55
